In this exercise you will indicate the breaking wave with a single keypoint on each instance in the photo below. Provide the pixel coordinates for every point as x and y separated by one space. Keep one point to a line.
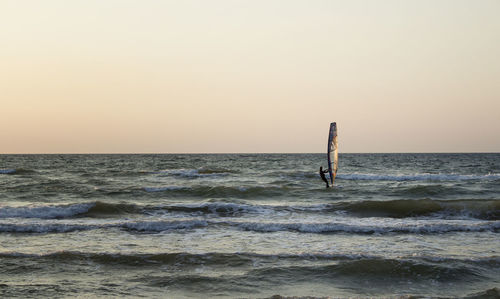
168 188
219 208
64 227
90 209
461 209
16 171
45 212
339 227
7 171
100 209
422 227
160 226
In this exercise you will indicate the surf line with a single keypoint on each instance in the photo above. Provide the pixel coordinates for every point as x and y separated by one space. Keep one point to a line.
332 156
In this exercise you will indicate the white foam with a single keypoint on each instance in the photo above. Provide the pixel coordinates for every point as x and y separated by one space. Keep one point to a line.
7 171
166 188
215 207
62 226
158 226
191 173
44 227
335 227
179 172
45 212
356 226
415 177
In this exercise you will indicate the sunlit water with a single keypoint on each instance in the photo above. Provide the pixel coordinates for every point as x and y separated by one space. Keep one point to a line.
249 226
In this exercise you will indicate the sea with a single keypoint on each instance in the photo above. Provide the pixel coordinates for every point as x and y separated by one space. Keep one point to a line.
249 226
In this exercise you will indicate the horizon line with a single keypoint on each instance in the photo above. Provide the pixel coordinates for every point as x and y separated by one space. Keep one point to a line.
242 153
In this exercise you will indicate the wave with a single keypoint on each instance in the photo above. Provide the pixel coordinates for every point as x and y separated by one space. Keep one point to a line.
375 268
489 293
108 209
218 208
339 227
364 277
292 174
213 169
480 209
44 228
119 173
168 188
64 227
462 209
219 191
133 259
155 226
209 258
7 171
196 173
45 212
427 190
415 177
486 294
242 258
100 209
16 171
90 209
180 172
176 270
160 226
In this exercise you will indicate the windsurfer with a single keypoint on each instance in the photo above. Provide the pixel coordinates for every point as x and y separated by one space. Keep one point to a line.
322 175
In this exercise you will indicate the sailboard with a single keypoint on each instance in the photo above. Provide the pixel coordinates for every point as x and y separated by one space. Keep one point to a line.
332 152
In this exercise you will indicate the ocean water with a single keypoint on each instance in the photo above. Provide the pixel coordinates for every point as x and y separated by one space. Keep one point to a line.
249 226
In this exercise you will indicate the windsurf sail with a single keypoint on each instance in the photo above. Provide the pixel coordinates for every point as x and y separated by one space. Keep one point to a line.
332 152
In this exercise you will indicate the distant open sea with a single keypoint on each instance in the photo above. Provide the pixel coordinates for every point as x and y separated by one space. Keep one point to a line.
249 226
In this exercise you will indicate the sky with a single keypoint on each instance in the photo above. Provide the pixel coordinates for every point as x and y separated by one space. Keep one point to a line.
257 76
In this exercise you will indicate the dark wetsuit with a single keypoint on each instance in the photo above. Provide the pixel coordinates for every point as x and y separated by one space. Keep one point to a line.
322 175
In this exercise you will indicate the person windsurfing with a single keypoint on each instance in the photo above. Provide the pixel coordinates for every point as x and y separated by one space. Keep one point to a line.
322 175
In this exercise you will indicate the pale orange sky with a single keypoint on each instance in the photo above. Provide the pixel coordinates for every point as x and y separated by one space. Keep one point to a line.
102 76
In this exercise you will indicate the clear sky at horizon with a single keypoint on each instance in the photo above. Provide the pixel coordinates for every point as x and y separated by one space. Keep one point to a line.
121 76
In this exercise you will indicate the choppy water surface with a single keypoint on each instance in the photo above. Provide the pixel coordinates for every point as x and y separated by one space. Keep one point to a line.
249 225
